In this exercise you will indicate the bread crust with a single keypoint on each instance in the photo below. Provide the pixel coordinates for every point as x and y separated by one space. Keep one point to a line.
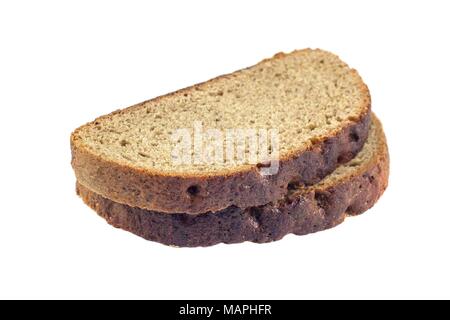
308 210
244 187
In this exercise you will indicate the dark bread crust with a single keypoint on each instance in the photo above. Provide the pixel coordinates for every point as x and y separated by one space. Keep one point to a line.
307 210
242 188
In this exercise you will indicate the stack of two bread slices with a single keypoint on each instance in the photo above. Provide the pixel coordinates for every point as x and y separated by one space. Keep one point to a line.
332 156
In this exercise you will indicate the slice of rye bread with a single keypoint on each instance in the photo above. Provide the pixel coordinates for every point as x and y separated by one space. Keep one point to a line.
320 107
350 190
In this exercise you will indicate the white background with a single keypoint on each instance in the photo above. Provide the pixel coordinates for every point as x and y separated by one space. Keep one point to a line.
64 63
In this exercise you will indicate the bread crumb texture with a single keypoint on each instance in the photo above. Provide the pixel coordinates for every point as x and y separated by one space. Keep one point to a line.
305 95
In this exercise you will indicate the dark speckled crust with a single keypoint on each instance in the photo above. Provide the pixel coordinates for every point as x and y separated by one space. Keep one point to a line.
310 210
159 192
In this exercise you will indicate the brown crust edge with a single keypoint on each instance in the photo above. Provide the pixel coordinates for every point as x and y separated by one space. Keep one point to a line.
312 210
166 193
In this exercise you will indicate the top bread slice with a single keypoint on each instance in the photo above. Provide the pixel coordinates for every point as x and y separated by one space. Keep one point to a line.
319 106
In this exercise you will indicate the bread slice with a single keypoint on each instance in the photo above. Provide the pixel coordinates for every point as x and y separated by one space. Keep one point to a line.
320 107
351 189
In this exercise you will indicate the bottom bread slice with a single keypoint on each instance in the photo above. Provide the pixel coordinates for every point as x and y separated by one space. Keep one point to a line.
350 190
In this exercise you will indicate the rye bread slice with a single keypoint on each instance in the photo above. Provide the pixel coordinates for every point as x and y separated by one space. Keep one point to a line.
350 190
320 107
